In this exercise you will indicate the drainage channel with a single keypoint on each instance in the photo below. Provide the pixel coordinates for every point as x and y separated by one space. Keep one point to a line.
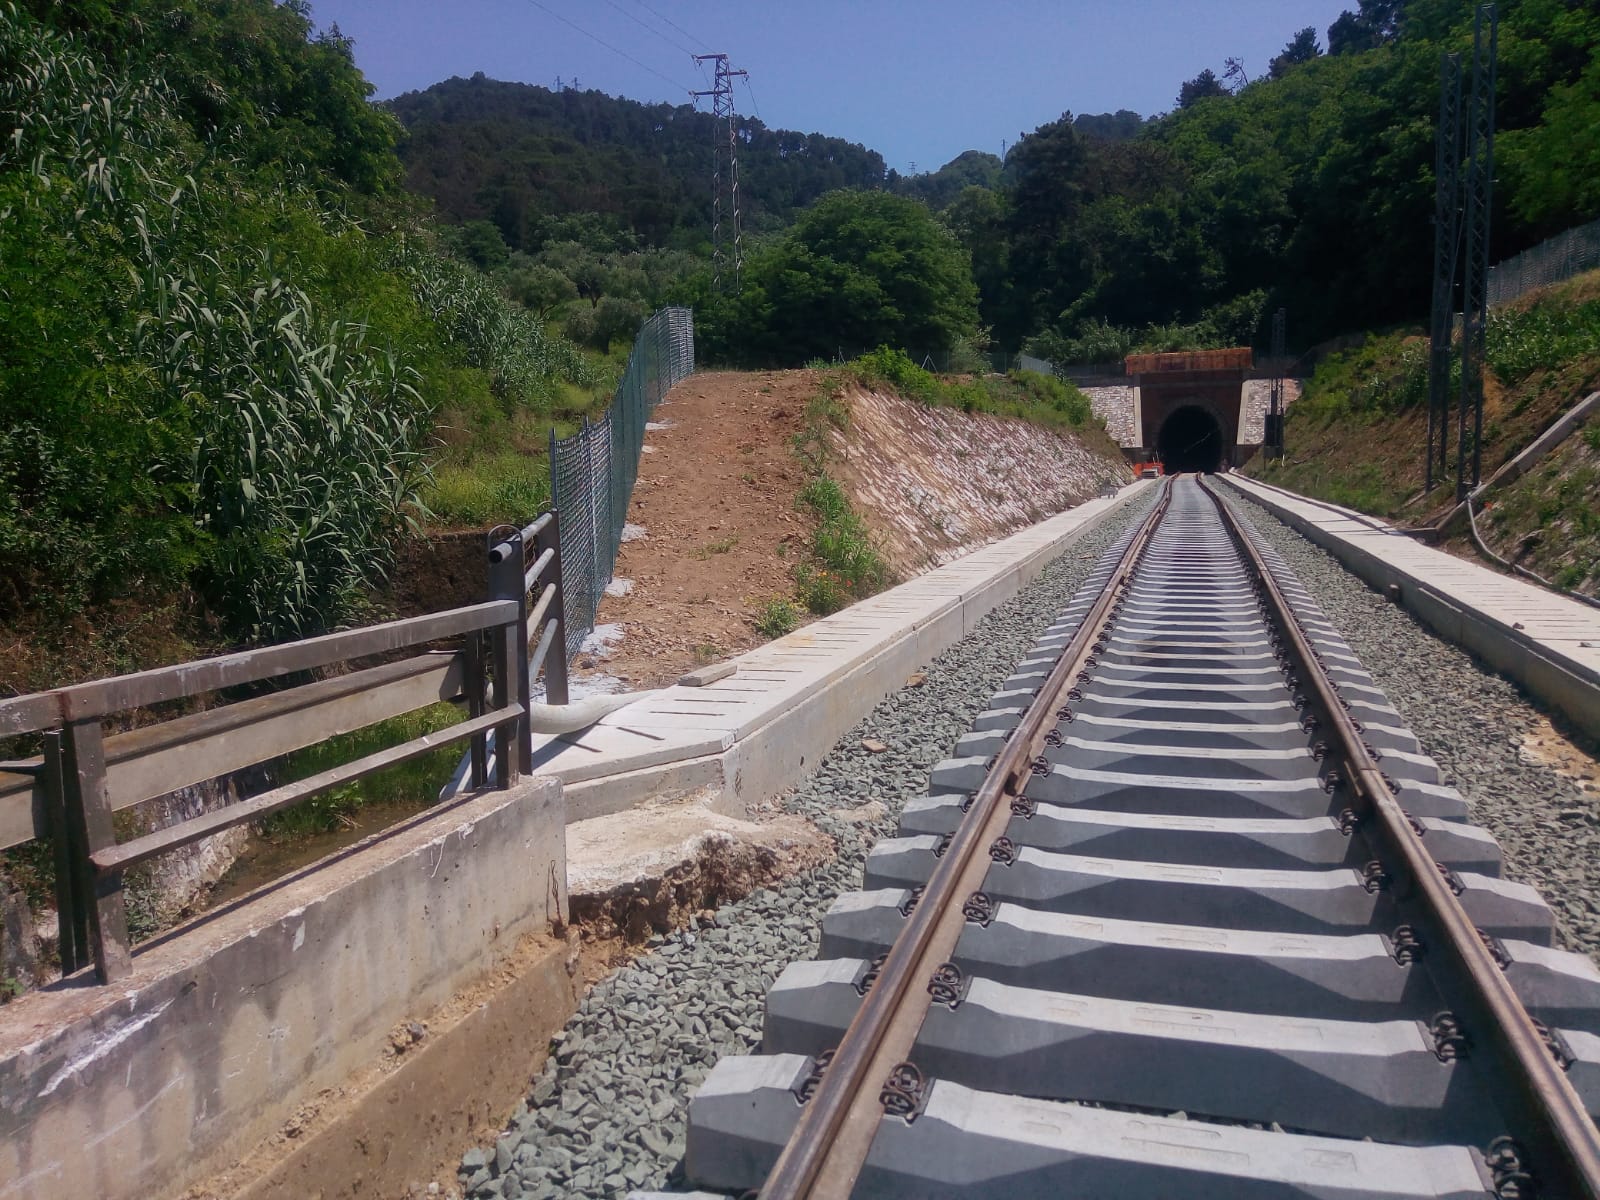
1145 937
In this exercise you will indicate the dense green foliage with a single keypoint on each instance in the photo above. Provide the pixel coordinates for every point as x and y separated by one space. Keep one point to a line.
858 269
529 160
211 376
1312 185
845 565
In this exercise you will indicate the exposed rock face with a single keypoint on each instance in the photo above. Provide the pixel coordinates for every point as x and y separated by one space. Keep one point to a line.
178 878
936 483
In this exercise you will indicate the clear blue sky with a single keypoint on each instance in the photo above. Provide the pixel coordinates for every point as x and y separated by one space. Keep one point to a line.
917 80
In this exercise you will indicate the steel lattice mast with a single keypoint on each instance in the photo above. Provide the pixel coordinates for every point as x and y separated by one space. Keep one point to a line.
1446 251
724 174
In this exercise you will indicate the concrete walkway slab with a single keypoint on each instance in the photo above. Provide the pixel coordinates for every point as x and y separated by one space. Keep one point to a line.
1544 641
759 730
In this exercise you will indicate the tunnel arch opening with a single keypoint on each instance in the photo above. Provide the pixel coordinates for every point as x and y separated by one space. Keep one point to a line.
1190 439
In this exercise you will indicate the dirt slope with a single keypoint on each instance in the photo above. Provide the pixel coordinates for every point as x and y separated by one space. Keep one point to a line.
716 501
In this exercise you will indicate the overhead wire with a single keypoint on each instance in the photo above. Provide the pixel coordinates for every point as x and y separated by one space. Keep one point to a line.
670 21
596 38
650 28
752 91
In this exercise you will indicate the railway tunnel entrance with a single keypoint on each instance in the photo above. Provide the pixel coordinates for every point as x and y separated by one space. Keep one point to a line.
1190 439
1188 406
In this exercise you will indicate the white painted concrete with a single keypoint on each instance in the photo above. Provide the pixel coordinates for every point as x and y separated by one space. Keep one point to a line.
761 729
1546 642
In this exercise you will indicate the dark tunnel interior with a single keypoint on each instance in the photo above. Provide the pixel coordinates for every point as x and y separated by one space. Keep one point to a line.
1190 440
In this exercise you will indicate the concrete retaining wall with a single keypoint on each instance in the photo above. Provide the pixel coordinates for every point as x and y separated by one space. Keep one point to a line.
229 1024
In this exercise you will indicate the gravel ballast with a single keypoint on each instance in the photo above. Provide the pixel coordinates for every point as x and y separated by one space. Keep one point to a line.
607 1115
1474 723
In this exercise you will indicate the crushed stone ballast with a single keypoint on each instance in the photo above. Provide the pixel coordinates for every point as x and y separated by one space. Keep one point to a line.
1195 962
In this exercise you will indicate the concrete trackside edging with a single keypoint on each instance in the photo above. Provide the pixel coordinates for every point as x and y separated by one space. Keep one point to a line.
750 735
226 1026
1548 644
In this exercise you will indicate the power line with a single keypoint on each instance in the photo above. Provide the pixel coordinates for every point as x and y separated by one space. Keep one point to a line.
670 21
650 28
752 92
608 45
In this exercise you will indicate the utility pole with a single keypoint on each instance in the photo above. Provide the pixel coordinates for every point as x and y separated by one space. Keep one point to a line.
724 145
1274 430
1475 269
1446 251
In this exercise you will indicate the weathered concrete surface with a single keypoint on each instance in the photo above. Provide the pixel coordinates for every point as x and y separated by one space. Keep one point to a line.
750 736
1118 405
649 869
228 1024
394 1128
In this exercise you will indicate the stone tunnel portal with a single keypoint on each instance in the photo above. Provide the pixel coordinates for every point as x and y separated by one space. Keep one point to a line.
1190 439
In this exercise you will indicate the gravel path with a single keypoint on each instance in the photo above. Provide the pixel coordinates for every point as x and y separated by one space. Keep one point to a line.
608 1113
1473 722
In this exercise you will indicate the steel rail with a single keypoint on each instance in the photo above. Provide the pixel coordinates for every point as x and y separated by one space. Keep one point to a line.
1554 1128
831 1141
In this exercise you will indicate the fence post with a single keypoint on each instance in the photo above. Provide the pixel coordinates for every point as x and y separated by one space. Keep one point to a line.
555 663
72 904
508 650
476 687
89 817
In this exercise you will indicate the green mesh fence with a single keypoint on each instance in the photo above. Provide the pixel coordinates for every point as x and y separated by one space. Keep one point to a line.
592 472
1561 257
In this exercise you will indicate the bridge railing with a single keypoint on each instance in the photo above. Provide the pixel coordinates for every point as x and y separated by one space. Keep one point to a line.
476 656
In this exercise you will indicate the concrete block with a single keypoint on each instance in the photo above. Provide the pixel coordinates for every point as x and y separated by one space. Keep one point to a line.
227 1024
969 1144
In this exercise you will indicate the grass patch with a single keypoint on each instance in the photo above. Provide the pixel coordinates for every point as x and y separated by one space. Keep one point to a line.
845 565
720 546
777 617
415 782
1020 395
505 487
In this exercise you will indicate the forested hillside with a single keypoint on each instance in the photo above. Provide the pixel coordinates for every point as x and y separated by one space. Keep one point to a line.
237 357
524 157
1311 187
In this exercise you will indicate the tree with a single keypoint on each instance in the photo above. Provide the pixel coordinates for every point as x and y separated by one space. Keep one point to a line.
1201 87
859 269
1302 48
1376 23
539 288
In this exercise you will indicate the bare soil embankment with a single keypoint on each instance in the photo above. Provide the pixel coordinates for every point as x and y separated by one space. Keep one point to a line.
721 530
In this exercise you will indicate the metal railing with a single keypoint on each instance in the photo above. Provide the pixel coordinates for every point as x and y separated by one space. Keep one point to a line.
70 792
1561 257
592 473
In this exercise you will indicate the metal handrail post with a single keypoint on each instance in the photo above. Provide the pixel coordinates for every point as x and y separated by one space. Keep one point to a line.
89 814
509 655
556 687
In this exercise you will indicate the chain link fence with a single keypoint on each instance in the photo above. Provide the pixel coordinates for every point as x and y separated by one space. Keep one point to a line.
592 472
1561 257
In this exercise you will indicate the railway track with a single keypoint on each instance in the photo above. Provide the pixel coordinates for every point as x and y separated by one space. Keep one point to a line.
1189 914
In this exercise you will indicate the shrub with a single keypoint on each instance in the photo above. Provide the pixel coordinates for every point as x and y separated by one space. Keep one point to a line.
777 617
846 564
1544 337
